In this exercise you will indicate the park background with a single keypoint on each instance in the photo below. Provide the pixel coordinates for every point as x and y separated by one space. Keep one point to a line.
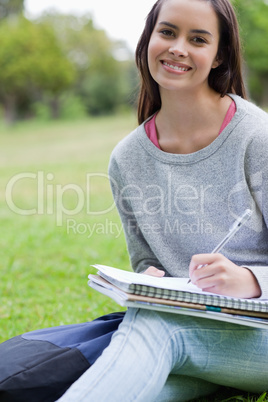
67 96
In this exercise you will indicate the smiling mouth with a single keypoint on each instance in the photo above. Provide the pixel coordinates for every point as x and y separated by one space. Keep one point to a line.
176 68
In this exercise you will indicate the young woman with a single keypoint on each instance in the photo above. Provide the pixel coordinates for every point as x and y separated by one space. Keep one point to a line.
197 161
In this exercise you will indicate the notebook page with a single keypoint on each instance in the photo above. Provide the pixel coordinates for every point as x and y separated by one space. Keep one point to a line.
170 283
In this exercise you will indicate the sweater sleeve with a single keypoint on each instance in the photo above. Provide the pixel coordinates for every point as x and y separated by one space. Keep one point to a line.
256 169
140 253
261 274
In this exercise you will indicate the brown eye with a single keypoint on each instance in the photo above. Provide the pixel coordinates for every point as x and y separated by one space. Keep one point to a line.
199 40
167 32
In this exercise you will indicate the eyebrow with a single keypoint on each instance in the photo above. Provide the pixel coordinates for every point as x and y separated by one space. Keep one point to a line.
197 31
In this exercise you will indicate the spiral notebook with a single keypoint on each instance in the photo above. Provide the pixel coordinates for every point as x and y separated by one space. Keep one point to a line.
129 300
175 289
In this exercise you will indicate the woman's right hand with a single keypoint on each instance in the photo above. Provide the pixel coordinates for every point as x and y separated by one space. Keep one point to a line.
154 272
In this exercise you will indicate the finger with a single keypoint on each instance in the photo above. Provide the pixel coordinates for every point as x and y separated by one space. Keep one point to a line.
154 272
201 260
197 262
205 282
211 276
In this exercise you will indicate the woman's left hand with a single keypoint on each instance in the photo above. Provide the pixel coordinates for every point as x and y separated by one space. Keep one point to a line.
152 271
216 274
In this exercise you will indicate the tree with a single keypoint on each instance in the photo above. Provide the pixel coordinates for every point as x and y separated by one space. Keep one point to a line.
253 18
10 7
31 62
102 81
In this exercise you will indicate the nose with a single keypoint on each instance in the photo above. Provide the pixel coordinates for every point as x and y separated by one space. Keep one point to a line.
179 48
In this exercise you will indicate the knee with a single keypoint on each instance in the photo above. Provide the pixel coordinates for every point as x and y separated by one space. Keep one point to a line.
143 328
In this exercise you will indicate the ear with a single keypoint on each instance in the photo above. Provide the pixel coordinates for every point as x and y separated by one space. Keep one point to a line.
217 62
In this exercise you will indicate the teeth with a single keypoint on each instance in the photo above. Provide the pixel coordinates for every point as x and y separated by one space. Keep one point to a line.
175 67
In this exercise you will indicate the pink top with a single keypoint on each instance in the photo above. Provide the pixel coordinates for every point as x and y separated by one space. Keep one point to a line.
151 132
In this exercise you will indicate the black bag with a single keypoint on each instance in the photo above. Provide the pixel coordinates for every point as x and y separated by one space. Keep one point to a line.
40 366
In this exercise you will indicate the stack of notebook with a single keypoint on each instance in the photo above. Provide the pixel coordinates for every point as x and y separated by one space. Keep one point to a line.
176 295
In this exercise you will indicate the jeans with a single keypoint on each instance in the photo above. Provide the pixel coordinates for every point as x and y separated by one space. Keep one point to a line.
158 356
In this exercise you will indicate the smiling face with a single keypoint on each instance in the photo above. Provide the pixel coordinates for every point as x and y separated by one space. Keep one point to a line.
184 45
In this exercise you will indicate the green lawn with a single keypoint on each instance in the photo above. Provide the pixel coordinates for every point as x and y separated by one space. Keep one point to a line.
45 257
57 218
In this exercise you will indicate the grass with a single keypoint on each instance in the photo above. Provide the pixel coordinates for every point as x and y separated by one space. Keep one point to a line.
232 395
45 255
45 262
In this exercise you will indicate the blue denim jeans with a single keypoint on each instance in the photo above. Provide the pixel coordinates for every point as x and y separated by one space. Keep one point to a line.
168 357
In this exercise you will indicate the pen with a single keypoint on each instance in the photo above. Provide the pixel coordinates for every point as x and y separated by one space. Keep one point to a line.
234 228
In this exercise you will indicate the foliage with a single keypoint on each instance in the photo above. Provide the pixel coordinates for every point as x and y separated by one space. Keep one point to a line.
43 61
60 62
72 107
31 62
253 18
8 8
102 81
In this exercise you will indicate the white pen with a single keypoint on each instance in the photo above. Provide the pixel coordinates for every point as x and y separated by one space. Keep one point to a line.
234 228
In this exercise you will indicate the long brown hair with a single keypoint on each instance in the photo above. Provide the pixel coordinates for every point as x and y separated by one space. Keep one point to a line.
226 78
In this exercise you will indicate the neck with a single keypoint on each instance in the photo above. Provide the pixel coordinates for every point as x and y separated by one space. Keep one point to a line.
188 109
189 121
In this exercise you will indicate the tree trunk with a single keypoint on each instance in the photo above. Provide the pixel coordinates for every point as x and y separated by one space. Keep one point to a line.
10 109
55 108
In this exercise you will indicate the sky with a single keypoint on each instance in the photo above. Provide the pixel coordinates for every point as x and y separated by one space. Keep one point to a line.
121 19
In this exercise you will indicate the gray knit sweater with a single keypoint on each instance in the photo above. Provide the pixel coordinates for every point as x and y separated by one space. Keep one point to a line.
173 206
